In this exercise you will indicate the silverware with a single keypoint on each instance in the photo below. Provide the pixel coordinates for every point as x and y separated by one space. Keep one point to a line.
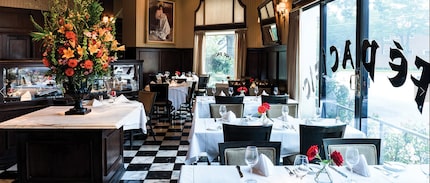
386 172
291 172
338 171
240 172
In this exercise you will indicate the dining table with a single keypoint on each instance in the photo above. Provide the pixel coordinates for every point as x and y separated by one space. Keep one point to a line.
206 133
281 174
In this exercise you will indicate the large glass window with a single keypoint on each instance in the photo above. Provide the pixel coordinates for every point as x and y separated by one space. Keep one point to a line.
219 56
399 27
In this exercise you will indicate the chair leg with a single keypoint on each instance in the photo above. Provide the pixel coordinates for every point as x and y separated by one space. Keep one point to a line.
151 130
131 137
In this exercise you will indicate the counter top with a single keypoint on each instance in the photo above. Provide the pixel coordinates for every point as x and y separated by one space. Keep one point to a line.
112 116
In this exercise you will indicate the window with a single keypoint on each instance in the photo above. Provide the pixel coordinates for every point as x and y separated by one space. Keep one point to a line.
219 56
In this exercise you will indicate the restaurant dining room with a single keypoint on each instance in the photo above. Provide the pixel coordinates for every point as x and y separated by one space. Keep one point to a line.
202 91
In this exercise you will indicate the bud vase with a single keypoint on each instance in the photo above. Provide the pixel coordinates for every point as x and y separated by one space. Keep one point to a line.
264 119
322 176
242 93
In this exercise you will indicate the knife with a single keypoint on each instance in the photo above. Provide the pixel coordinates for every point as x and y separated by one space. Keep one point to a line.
240 172
338 171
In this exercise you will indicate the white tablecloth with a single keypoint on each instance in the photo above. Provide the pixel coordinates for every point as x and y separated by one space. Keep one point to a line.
204 137
178 95
229 174
129 115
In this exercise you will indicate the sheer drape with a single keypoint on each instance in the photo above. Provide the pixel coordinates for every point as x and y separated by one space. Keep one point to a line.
293 54
199 38
241 47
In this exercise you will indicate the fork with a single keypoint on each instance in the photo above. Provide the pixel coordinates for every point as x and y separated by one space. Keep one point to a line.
387 173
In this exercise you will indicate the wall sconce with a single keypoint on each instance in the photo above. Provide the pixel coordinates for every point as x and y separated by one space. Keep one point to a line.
281 8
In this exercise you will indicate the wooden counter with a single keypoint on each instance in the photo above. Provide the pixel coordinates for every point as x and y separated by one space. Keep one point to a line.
52 147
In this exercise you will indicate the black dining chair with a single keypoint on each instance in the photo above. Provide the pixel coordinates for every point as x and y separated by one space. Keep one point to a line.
246 133
275 99
202 84
188 105
314 135
369 147
162 104
229 99
233 153
148 100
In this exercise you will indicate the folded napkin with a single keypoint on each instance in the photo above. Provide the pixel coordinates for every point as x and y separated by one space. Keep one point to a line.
264 93
26 96
221 93
229 116
121 99
94 103
361 168
264 166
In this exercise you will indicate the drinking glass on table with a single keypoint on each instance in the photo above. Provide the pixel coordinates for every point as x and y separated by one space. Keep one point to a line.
275 90
213 91
230 91
352 158
251 158
285 111
222 111
301 166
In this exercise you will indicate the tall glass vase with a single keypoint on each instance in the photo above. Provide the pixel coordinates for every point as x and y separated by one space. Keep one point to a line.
264 119
322 175
77 91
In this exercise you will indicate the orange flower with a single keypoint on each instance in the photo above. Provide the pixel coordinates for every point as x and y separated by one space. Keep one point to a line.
70 35
88 64
80 51
69 53
93 48
69 72
72 63
46 62
68 27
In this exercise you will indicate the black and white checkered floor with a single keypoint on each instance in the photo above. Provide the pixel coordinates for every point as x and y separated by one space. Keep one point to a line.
147 160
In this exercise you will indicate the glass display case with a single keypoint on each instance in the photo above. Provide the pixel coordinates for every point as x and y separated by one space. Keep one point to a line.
23 80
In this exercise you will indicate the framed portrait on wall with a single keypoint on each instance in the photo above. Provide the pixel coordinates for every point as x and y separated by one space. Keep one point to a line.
161 23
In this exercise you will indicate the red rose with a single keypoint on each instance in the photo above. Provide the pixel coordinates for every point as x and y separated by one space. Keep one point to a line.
266 105
69 72
312 152
261 109
337 158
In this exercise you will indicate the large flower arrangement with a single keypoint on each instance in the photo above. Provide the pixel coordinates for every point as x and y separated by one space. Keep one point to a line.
77 45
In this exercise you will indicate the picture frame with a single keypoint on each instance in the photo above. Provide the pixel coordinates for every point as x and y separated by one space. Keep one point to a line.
160 22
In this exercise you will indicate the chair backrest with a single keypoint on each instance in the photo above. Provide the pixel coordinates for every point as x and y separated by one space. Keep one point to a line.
203 81
369 147
246 133
276 110
313 135
229 99
162 91
237 109
233 153
190 95
148 100
274 99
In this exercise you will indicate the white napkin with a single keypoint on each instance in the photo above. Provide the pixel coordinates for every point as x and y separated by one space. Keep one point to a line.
361 168
264 166
121 99
26 96
229 116
96 103
221 93
264 93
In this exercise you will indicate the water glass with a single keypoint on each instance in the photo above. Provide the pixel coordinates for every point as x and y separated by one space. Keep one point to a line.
256 91
352 158
275 90
301 165
222 111
251 156
230 91
214 91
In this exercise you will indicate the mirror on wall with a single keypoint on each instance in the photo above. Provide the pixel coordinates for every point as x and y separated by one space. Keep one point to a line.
269 29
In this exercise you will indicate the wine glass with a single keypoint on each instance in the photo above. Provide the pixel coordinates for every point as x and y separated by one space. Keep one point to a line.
351 159
230 91
301 164
424 164
256 91
285 111
275 90
222 111
213 91
251 157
